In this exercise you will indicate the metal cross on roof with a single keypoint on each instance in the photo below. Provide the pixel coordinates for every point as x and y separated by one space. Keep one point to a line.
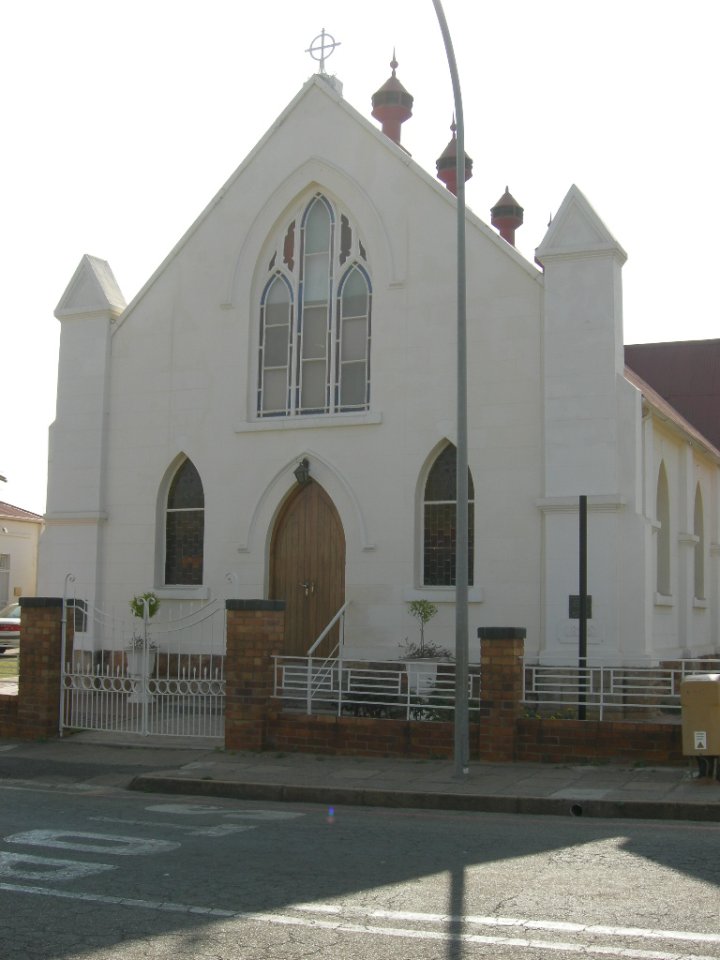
323 42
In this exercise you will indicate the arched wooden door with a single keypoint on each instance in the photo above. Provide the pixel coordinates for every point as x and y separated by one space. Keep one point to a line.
307 568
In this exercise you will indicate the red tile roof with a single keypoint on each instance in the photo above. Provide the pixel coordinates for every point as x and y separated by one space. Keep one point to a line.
669 413
9 512
687 375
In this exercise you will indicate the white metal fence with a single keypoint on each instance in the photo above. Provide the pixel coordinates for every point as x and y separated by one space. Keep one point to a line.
170 683
412 690
610 692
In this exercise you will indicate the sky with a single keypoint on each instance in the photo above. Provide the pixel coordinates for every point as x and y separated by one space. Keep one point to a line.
123 119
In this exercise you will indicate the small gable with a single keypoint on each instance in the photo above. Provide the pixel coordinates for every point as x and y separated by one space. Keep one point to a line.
93 288
576 228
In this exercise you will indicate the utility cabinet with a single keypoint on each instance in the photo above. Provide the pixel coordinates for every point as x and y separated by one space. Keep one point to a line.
700 699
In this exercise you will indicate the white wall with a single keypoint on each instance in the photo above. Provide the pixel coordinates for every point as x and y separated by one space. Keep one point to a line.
19 540
550 415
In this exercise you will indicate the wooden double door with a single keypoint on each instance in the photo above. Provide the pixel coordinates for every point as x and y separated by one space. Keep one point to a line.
307 568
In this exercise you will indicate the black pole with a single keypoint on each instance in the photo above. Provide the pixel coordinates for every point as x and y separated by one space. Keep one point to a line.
582 622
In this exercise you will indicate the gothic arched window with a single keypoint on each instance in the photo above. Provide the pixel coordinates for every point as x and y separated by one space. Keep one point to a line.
699 531
185 527
439 521
662 512
314 344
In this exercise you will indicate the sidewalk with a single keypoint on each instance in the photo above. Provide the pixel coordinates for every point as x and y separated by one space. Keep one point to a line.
174 766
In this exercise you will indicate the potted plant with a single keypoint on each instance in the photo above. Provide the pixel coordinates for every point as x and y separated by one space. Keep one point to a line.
423 611
141 649
422 659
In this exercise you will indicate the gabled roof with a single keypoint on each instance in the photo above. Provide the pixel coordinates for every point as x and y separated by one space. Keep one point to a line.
93 289
9 512
687 375
330 88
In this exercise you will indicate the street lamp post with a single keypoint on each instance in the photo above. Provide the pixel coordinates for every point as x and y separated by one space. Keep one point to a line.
462 751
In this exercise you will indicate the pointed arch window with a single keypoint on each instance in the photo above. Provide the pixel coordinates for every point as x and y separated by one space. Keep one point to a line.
662 509
315 310
440 521
185 527
699 531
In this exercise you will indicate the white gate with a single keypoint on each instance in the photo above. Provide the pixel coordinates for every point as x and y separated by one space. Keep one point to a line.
168 683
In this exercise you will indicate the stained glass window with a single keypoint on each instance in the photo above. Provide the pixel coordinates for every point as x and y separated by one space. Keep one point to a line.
440 522
314 343
185 527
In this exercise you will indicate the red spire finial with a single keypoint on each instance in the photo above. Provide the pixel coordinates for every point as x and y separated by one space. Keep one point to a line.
447 162
507 216
392 104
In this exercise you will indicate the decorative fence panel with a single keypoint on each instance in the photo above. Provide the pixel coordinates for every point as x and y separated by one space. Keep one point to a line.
410 690
610 692
170 683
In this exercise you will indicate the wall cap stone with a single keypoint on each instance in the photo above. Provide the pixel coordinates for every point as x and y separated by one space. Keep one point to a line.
502 633
275 605
37 602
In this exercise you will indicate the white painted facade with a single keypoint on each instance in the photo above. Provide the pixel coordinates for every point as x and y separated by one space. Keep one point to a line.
551 414
19 537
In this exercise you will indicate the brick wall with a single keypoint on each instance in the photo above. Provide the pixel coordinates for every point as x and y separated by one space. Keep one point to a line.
535 741
585 741
501 681
491 739
8 715
39 682
255 633
363 736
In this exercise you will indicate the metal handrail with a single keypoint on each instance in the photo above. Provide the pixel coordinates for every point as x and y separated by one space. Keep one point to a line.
328 628
330 662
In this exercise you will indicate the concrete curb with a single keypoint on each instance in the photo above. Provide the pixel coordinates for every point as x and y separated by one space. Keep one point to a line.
348 796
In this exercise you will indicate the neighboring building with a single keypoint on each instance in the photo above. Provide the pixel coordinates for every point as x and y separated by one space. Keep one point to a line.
19 538
687 375
307 320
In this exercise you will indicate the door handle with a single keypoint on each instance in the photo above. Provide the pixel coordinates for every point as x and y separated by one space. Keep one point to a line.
308 586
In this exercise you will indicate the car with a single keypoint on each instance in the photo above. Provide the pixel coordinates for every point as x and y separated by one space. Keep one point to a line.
10 627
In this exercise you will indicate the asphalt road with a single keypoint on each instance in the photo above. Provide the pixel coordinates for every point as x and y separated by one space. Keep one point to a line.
95 872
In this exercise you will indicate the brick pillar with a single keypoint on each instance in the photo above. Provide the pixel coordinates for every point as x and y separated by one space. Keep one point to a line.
255 633
502 651
40 668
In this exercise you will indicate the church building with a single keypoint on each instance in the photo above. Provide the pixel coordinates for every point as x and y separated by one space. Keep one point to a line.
273 415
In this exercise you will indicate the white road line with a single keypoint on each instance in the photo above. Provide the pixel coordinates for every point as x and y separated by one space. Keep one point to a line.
40 786
221 830
547 925
23 866
99 842
192 809
340 926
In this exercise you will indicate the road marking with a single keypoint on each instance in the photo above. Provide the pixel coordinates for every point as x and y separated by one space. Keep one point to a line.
100 842
184 808
341 926
193 808
12 864
267 815
221 830
527 924
38 786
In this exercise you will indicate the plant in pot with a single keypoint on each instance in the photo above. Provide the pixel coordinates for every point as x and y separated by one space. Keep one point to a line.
141 649
422 675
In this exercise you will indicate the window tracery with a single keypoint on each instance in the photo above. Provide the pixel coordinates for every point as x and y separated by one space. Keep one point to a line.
315 313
